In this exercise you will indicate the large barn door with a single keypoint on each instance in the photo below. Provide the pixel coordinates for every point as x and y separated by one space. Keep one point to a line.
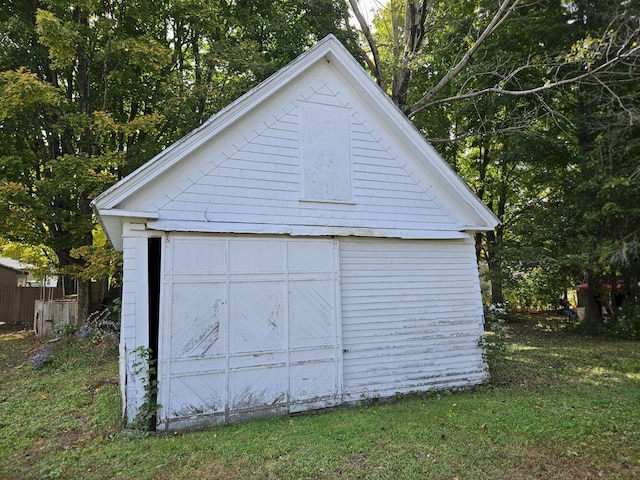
250 325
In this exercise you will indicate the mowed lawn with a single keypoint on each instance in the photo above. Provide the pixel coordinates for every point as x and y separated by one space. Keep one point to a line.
560 406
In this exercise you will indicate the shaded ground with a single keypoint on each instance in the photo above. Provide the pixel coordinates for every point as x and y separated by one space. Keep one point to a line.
560 405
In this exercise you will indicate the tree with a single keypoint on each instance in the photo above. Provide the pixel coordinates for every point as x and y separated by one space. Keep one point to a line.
90 90
471 24
598 207
64 138
490 84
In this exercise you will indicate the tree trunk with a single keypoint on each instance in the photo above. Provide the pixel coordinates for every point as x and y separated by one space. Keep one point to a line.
495 270
84 300
594 300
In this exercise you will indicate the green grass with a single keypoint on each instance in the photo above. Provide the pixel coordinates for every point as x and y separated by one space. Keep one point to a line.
559 406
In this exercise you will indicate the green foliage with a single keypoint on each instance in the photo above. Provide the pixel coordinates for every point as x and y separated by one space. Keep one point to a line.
40 257
494 342
144 367
99 261
22 93
627 324
559 167
91 90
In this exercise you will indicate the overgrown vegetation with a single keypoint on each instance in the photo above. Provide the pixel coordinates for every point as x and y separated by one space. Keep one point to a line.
494 341
559 405
145 367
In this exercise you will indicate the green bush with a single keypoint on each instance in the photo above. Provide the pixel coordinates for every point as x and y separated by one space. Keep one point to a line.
494 343
627 324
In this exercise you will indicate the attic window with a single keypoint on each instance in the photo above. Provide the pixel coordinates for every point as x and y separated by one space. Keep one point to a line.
326 164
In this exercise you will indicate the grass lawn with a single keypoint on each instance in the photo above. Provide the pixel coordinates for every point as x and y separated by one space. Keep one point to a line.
560 406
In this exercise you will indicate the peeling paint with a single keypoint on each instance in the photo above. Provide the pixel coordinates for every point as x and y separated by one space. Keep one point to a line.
206 339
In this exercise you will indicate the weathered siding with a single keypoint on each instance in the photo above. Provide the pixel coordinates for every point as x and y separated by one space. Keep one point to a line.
135 316
51 315
10 278
411 316
268 303
257 325
17 304
270 170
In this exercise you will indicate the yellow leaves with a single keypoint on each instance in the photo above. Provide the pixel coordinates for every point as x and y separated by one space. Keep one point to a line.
146 123
585 50
21 90
60 37
143 52
103 122
39 256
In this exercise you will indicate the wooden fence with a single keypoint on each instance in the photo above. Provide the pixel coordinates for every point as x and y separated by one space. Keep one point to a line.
52 314
17 304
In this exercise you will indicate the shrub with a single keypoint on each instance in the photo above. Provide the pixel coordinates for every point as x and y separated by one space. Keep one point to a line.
627 324
495 345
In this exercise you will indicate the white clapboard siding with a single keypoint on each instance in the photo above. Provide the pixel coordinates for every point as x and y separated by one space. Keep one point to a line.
268 302
134 316
260 176
410 316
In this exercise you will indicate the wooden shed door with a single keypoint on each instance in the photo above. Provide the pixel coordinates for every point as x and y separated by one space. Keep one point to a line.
249 324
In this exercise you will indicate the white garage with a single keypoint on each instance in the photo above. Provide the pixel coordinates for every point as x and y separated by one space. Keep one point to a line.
302 249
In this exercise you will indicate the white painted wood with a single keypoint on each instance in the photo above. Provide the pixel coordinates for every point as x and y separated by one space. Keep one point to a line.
265 176
257 324
325 151
249 324
411 316
135 316
367 164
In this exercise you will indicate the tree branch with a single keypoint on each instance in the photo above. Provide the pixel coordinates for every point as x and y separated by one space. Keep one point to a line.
423 104
414 20
375 64
506 7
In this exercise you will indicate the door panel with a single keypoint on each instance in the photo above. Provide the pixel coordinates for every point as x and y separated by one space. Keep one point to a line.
198 309
258 316
256 333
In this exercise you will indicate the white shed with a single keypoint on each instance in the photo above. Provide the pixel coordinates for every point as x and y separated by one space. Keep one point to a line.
303 248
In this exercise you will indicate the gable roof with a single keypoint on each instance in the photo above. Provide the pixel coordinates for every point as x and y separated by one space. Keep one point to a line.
115 205
14 265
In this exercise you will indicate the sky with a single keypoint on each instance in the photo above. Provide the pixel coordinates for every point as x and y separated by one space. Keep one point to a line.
368 7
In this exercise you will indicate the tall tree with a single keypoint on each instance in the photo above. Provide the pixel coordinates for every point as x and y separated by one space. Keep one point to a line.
490 83
90 90
603 199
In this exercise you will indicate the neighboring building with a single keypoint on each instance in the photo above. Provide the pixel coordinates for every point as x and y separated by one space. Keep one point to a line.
13 273
304 248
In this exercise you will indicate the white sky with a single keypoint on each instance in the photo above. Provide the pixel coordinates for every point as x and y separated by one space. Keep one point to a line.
369 7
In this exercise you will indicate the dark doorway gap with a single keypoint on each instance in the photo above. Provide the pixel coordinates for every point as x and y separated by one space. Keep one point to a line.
154 257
